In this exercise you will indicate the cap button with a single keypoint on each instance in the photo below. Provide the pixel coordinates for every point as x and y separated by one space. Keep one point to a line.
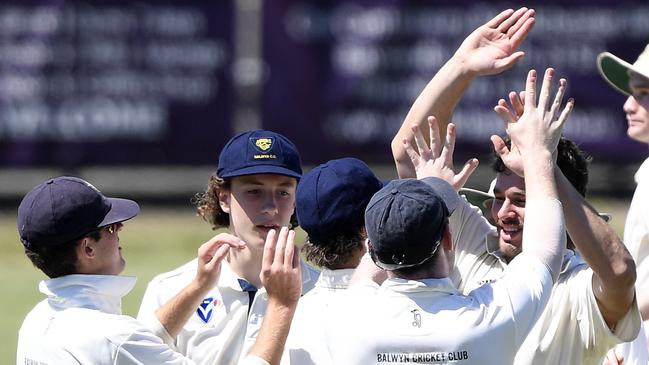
394 191
50 182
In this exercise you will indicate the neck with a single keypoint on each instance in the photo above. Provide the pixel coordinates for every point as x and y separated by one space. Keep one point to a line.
246 264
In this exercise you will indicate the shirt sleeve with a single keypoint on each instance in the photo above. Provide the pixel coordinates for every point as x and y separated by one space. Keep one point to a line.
468 228
594 330
523 290
253 360
146 315
144 347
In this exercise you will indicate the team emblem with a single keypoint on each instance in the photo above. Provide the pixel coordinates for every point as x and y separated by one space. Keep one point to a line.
263 144
206 308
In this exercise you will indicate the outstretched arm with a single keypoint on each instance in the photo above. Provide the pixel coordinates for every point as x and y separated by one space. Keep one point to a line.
536 134
603 250
490 49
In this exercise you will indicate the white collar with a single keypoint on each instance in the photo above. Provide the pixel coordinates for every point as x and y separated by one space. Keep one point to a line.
443 285
335 279
100 292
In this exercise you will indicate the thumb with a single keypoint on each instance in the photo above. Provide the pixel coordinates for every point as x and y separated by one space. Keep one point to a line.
500 146
465 173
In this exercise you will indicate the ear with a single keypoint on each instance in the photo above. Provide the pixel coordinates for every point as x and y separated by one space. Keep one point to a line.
224 200
85 249
447 241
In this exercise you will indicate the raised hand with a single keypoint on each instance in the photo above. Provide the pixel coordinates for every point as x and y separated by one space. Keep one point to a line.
492 48
210 256
538 126
281 270
436 159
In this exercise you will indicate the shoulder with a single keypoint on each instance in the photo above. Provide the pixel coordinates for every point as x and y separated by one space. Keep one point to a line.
179 274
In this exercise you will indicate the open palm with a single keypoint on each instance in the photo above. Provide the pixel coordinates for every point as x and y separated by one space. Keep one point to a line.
492 48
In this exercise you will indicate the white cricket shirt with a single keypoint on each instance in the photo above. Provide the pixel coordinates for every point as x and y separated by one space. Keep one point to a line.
224 327
306 342
571 330
81 323
430 321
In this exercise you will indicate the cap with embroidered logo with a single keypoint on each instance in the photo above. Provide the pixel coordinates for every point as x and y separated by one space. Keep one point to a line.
65 208
405 221
333 196
259 152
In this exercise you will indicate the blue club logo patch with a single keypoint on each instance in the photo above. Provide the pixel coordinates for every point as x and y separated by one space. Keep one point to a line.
206 308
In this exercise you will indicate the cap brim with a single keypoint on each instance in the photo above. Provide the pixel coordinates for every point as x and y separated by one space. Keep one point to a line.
476 197
616 71
445 191
121 210
263 169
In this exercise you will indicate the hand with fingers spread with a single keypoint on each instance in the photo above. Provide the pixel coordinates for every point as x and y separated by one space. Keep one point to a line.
492 48
538 127
280 272
436 160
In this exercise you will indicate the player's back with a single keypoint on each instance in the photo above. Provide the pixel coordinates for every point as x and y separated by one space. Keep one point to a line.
429 321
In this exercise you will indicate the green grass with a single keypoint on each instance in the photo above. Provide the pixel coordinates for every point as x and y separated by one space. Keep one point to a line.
156 241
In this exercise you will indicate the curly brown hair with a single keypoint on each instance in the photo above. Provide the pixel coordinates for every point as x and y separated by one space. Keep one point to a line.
335 251
208 206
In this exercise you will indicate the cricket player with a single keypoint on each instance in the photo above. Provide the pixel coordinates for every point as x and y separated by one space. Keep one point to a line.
593 305
417 315
70 231
330 205
633 80
252 193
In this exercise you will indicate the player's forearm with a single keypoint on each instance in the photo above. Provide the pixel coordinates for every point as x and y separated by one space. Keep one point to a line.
439 98
174 314
544 234
598 244
269 345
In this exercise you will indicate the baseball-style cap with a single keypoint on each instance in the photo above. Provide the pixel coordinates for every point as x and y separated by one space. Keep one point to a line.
405 221
333 196
66 208
616 71
259 152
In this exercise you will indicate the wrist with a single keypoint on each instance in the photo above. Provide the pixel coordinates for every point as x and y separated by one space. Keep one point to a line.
460 67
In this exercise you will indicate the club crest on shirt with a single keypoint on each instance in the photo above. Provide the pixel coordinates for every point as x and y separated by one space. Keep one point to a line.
206 308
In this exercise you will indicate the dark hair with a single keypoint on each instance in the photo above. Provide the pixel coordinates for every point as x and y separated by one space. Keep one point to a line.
332 252
209 208
572 162
57 260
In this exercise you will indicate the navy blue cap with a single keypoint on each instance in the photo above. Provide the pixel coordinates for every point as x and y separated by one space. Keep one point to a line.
66 208
332 197
259 152
405 221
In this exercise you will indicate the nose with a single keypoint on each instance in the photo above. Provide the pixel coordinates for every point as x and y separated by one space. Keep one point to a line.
505 210
630 105
269 204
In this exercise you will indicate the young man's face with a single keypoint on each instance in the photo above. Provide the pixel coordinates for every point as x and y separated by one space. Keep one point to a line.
108 251
508 212
258 203
636 108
